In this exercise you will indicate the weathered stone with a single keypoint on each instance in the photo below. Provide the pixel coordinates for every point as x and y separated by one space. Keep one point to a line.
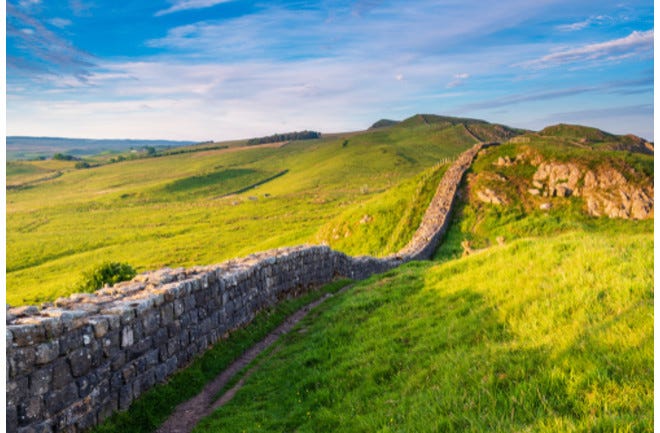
100 324
81 361
27 335
21 361
61 373
490 196
17 390
42 427
46 352
40 380
126 337
61 398
30 410
11 418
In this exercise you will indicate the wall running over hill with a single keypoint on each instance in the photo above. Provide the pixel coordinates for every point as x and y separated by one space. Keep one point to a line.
72 364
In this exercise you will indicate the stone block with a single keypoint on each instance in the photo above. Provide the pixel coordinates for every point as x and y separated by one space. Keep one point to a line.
100 324
126 337
117 360
61 373
81 361
30 410
11 418
27 335
47 352
21 361
125 396
160 337
17 390
42 427
151 321
40 380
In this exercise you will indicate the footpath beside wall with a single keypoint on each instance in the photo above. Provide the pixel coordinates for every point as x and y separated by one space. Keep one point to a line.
73 364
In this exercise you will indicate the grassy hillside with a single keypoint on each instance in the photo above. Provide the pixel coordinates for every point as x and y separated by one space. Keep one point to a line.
385 223
548 329
547 325
521 215
593 138
174 210
550 334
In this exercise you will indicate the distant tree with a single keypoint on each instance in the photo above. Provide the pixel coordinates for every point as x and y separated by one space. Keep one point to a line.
289 136
151 151
64 157
82 164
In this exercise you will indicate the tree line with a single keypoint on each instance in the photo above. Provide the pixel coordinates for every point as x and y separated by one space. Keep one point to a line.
289 136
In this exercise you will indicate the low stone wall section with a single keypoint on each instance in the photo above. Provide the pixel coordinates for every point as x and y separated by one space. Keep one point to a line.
73 363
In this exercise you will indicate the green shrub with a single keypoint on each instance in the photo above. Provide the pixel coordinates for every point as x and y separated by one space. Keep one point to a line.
107 273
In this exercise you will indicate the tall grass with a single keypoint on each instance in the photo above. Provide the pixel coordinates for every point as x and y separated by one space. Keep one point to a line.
538 335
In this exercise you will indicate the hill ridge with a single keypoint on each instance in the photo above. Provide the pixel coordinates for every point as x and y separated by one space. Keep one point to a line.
135 312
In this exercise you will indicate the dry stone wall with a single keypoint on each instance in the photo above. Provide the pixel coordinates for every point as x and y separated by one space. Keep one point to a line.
75 362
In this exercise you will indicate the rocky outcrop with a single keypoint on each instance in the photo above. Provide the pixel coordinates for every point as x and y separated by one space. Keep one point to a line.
72 363
489 196
605 190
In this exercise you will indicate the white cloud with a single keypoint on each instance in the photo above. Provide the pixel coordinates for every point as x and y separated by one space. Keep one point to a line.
634 44
28 3
182 5
579 25
574 26
60 22
458 80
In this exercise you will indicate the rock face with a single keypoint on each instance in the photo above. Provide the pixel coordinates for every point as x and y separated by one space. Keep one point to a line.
490 196
72 363
605 190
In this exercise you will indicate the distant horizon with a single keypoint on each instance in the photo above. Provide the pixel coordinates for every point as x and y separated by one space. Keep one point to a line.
192 69
283 131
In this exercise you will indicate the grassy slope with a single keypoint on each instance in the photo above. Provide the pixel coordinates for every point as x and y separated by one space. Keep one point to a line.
482 223
551 333
166 212
537 335
385 223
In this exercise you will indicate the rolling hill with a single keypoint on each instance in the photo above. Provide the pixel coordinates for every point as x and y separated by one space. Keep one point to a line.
187 208
536 313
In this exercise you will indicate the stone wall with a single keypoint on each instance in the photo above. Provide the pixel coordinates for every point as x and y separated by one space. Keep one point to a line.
73 363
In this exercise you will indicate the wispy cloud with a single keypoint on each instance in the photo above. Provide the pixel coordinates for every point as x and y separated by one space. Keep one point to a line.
60 22
634 44
580 25
43 51
182 5
458 80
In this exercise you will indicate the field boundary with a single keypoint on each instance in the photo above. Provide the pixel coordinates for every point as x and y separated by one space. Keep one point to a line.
75 362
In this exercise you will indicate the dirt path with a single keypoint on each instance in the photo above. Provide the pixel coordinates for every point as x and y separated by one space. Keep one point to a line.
189 413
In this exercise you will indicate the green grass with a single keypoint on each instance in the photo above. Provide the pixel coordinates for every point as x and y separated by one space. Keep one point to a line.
169 211
150 410
539 335
482 223
385 223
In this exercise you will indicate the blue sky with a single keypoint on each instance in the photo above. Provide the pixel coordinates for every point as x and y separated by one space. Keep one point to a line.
224 69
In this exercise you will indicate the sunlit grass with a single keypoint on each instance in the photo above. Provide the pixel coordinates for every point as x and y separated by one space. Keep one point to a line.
170 211
539 335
